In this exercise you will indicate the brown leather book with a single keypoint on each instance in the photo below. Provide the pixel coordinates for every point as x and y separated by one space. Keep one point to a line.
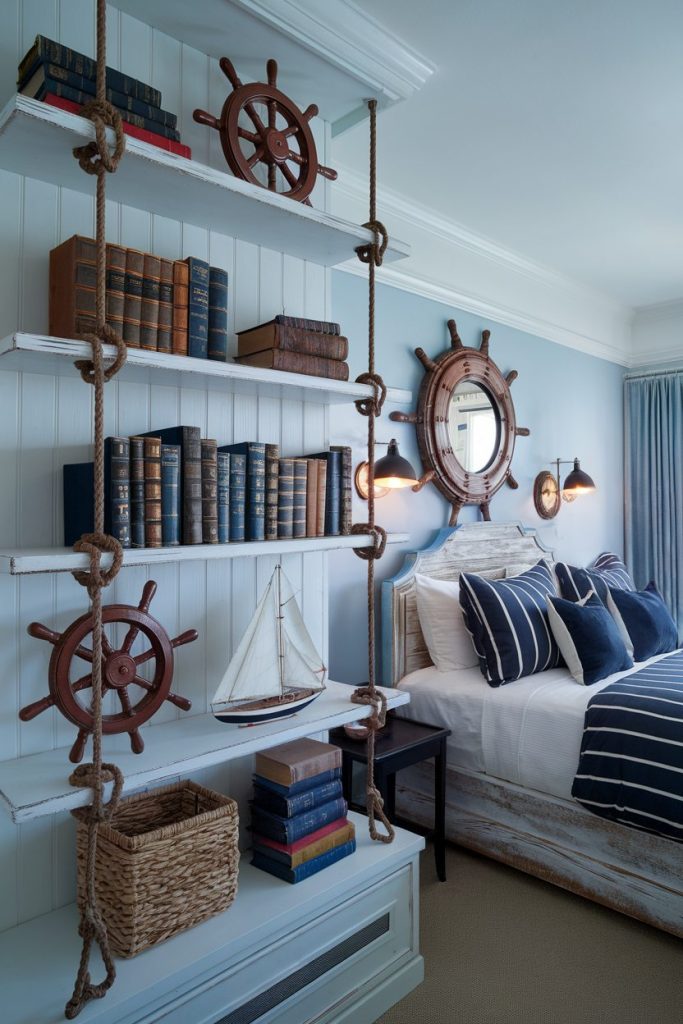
181 283
72 288
320 504
300 497
297 760
165 327
291 339
149 313
132 301
153 492
209 451
295 362
312 497
116 286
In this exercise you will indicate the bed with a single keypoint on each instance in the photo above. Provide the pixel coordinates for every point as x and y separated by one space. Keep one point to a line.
513 751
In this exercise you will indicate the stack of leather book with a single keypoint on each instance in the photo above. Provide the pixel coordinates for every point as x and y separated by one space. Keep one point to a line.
299 823
64 78
297 345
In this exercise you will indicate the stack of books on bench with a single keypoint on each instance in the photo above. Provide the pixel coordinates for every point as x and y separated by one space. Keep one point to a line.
298 819
65 79
297 345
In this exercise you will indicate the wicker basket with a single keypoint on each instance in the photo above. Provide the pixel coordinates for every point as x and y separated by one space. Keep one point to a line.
166 861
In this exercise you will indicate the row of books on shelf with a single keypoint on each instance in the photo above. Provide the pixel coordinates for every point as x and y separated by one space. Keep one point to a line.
180 307
298 812
171 487
65 78
162 305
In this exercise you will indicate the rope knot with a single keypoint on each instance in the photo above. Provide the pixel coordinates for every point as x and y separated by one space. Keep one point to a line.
94 544
86 776
374 250
88 368
379 540
369 695
371 406
96 157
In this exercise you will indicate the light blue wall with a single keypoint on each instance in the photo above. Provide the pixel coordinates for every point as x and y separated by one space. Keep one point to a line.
571 402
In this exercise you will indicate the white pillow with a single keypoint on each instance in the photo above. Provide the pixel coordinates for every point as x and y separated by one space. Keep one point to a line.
443 627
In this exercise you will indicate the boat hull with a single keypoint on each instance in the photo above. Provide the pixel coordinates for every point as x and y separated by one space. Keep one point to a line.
254 715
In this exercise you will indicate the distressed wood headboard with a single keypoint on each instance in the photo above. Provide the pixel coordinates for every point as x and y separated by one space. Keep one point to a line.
486 548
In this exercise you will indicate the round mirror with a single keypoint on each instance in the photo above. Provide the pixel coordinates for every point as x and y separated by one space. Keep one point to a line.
473 426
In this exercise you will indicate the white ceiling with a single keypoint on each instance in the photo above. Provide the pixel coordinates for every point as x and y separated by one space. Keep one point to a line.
553 128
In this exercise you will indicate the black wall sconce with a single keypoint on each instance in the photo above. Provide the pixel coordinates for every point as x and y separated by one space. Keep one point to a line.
392 472
549 493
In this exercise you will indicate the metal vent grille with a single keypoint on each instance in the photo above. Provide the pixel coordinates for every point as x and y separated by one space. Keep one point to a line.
281 991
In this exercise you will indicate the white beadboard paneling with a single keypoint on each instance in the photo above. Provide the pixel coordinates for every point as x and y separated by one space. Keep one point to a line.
46 421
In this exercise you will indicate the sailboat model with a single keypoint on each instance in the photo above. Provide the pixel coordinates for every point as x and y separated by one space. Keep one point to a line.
276 670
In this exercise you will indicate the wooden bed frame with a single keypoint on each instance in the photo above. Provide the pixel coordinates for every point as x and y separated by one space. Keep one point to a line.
557 840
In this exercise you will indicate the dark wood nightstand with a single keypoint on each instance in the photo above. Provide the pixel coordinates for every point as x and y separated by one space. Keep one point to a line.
400 744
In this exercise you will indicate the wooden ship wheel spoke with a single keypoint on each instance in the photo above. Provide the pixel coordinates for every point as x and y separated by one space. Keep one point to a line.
139 698
268 135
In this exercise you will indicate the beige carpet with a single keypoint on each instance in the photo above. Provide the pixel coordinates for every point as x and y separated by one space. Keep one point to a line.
501 947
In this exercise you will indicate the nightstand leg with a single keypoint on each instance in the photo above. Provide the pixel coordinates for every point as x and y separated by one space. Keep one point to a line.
440 812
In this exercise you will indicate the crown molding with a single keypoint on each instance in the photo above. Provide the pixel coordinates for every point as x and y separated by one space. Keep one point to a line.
548 300
658 335
348 38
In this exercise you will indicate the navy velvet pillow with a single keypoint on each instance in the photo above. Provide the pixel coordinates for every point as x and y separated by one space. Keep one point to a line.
508 621
607 571
645 619
588 638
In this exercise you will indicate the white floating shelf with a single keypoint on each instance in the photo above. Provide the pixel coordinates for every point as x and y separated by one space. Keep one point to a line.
36 785
36 140
32 560
39 353
37 959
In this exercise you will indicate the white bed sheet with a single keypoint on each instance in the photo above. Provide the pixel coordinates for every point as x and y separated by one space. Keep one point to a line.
528 732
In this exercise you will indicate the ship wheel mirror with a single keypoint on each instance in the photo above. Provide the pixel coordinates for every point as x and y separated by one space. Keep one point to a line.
465 422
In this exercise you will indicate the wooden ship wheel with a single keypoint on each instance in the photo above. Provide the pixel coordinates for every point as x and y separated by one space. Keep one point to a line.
262 129
456 373
139 698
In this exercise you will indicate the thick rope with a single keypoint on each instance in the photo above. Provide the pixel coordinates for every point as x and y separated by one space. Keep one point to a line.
96 158
372 254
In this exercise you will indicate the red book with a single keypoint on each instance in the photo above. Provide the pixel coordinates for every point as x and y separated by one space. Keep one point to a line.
299 844
129 129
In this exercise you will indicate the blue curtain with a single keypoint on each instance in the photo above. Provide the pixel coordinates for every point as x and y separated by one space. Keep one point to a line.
654 484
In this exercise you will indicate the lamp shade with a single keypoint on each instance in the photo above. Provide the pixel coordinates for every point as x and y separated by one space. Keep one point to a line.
578 482
393 471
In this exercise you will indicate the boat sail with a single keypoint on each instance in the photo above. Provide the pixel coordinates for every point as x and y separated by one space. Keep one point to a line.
276 670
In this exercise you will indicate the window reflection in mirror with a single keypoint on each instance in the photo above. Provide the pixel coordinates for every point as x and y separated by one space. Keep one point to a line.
473 426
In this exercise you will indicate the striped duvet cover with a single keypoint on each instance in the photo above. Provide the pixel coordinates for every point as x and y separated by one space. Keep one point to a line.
631 764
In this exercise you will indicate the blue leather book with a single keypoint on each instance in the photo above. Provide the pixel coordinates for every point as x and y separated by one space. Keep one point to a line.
308 868
238 495
79 485
333 491
299 498
254 453
170 495
289 806
218 314
198 308
55 88
288 830
285 499
137 492
301 785
45 49
190 478
223 475
123 101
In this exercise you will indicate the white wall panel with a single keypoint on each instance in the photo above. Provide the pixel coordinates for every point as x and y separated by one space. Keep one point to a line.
45 422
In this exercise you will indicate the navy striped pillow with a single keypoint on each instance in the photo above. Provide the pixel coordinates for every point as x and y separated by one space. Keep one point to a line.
508 620
607 571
